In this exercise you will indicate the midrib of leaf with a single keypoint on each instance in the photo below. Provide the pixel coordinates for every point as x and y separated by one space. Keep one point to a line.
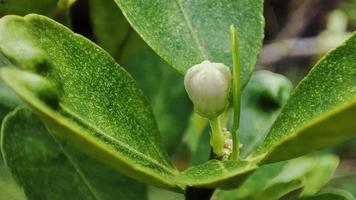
98 130
223 168
78 171
193 33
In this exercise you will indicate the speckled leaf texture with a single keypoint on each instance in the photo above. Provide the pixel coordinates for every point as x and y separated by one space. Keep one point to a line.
214 173
39 160
186 32
320 112
84 97
163 87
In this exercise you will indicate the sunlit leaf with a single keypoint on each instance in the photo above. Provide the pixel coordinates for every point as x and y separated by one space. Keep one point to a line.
185 33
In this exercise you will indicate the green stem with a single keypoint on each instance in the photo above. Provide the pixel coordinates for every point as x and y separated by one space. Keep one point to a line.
217 139
236 94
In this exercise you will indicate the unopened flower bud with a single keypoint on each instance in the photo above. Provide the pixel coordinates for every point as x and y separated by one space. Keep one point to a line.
208 86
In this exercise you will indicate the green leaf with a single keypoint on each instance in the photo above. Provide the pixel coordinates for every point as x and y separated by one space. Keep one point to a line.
320 111
331 194
320 174
156 194
164 89
197 139
261 102
273 181
48 168
23 7
85 97
109 25
215 173
8 100
185 33
9 189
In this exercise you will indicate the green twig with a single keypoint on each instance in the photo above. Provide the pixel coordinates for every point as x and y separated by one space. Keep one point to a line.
217 139
236 93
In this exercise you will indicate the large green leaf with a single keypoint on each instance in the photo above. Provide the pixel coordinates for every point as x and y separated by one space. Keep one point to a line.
50 169
163 87
273 181
85 97
185 33
109 25
215 173
261 102
320 111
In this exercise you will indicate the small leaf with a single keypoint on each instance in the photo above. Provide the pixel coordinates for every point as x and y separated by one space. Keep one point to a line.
320 111
261 102
320 174
215 173
330 194
198 30
273 181
100 109
50 169
109 25
197 139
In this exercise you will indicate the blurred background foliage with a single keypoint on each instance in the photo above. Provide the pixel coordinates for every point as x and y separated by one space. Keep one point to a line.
297 34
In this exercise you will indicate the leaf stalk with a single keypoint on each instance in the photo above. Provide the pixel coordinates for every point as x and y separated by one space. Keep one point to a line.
236 87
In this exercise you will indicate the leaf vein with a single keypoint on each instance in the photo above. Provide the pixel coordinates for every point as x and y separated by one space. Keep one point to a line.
192 31
101 132
79 171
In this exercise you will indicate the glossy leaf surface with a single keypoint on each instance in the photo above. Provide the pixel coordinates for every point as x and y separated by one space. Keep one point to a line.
215 173
85 97
185 33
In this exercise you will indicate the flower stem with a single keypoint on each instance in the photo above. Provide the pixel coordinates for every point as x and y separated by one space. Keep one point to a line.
236 86
217 139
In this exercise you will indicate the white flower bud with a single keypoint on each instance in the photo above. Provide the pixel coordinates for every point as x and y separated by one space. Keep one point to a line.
208 86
